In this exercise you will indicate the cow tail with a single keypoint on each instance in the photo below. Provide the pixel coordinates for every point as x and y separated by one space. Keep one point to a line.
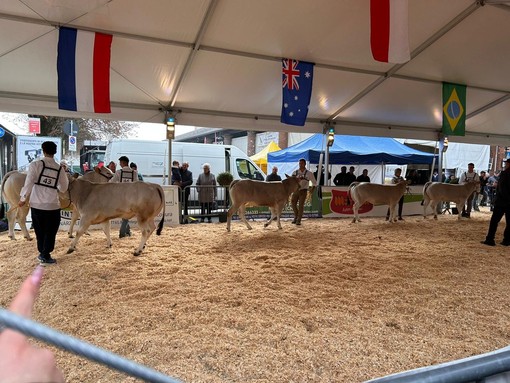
160 224
425 191
2 203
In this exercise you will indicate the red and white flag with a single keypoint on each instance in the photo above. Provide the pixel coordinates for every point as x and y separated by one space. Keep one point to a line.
389 37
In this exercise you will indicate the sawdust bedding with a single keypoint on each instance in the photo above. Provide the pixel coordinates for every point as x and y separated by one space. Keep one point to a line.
329 301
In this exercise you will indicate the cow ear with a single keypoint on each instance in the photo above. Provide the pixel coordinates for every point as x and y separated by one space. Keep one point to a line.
286 175
97 170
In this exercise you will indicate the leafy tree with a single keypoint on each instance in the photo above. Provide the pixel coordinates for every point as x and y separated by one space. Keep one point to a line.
88 129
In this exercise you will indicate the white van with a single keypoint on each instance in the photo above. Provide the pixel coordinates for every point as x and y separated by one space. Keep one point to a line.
151 158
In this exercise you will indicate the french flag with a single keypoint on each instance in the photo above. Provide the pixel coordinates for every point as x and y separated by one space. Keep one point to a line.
83 67
389 38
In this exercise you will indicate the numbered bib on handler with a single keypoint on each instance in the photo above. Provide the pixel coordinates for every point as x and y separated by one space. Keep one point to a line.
48 177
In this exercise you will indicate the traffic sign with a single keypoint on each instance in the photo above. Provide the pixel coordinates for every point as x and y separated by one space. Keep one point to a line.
2 132
72 143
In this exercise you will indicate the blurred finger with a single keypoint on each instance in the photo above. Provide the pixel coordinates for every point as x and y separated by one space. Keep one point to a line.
24 301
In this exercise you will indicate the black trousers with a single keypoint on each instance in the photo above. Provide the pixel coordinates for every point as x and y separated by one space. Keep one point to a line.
46 224
205 208
497 214
400 207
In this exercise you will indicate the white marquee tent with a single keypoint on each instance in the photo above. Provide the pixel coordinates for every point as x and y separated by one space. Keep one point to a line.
216 63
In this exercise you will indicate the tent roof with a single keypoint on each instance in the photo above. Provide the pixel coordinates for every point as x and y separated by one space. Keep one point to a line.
217 63
261 157
353 150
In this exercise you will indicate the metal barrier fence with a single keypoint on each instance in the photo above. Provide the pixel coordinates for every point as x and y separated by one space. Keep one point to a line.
81 348
492 367
201 203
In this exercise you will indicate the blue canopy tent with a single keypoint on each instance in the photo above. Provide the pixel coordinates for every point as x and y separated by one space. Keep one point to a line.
352 150
347 150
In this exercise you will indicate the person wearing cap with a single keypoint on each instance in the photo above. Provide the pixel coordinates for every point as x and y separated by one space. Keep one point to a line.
124 174
299 197
44 180
501 208
469 176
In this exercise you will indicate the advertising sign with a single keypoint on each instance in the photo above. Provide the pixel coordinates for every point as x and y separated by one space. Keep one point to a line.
34 125
28 149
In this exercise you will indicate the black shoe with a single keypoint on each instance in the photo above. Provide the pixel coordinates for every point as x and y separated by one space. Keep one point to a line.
387 218
488 243
46 260
505 243
202 220
298 223
294 221
209 221
400 219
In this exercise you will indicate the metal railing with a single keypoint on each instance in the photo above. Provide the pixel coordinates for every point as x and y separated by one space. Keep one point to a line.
203 202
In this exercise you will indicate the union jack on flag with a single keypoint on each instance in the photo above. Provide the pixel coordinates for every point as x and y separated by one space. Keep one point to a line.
297 78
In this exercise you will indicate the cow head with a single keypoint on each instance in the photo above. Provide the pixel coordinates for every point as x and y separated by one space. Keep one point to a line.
292 183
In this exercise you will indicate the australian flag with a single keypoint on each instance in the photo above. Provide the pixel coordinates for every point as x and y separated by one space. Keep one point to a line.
297 78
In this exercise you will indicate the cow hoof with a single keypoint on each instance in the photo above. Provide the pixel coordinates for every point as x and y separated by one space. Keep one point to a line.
266 225
29 238
71 236
137 253
70 251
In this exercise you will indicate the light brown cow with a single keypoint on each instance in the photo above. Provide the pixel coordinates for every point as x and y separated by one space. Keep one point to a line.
99 175
12 184
101 202
258 193
435 192
377 194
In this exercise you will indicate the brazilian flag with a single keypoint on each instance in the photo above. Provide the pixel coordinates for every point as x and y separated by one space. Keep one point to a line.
454 109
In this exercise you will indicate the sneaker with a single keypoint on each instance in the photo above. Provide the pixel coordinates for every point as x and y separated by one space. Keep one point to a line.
488 243
46 260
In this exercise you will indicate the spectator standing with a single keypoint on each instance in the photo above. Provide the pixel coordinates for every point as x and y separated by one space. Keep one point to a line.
44 180
469 176
206 183
124 174
364 176
341 178
186 180
112 166
133 166
501 208
397 178
320 179
274 175
483 187
351 177
299 197
176 174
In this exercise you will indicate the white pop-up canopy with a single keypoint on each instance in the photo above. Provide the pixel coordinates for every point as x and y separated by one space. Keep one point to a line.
217 63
